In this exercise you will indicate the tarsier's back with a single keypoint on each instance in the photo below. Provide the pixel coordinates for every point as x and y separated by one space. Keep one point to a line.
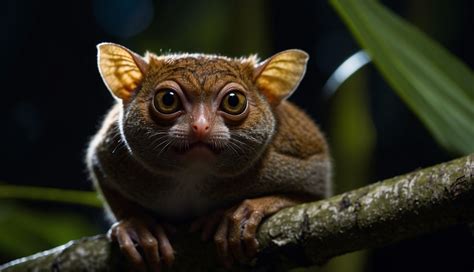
191 134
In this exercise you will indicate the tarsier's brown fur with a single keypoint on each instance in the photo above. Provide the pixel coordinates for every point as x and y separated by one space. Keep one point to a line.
275 150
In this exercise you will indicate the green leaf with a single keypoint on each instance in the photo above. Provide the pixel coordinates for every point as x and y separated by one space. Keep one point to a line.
50 194
433 83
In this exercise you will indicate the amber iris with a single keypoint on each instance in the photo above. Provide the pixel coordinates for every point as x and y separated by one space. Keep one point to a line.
166 101
234 103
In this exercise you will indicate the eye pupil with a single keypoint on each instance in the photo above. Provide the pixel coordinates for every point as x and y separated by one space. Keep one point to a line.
233 100
168 98
234 103
166 101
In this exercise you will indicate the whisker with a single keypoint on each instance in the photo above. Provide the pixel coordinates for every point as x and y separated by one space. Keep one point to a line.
157 140
160 144
233 149
245 137
170 141
242 144
238 149
119 146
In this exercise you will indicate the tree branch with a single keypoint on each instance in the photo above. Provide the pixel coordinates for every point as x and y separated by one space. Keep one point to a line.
372 216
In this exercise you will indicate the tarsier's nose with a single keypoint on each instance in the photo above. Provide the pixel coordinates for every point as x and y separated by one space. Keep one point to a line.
201 127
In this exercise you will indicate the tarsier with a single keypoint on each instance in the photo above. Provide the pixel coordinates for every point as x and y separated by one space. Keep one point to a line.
203 139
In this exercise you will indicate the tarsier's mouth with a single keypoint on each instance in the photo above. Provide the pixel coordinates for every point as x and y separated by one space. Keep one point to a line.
198 147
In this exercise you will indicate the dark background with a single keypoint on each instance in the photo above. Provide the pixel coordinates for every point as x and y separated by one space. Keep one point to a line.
53 98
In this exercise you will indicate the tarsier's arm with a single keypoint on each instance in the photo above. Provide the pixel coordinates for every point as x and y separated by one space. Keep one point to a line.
302 180
133 224
120 207
301 176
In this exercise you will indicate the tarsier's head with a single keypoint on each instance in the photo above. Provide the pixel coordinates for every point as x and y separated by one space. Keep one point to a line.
182 109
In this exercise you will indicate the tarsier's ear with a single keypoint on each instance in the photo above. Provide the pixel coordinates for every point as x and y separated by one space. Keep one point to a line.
278 76
121 69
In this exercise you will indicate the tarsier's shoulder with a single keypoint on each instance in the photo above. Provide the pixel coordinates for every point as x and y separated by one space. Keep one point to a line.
110 120
297 134
108 131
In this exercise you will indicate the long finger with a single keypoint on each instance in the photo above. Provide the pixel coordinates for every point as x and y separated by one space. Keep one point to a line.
149 245
235 233
249 234
164 244
220 239
210 225
128 249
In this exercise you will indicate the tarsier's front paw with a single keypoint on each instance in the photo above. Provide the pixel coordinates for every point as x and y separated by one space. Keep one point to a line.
235 237
138 233
236 228
235 232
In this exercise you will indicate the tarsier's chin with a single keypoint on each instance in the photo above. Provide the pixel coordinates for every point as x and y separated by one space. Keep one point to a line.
217 113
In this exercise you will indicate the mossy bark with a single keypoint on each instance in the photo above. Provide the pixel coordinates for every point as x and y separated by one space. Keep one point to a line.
372 216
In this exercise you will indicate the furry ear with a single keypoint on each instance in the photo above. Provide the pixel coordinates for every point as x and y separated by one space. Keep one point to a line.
278 76
121 69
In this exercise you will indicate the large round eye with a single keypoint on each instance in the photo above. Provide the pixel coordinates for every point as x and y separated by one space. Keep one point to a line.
234 103
166 101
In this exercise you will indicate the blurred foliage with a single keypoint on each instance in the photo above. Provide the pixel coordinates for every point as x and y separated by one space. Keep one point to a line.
25 231
232 28
352 134
352 139
433 83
